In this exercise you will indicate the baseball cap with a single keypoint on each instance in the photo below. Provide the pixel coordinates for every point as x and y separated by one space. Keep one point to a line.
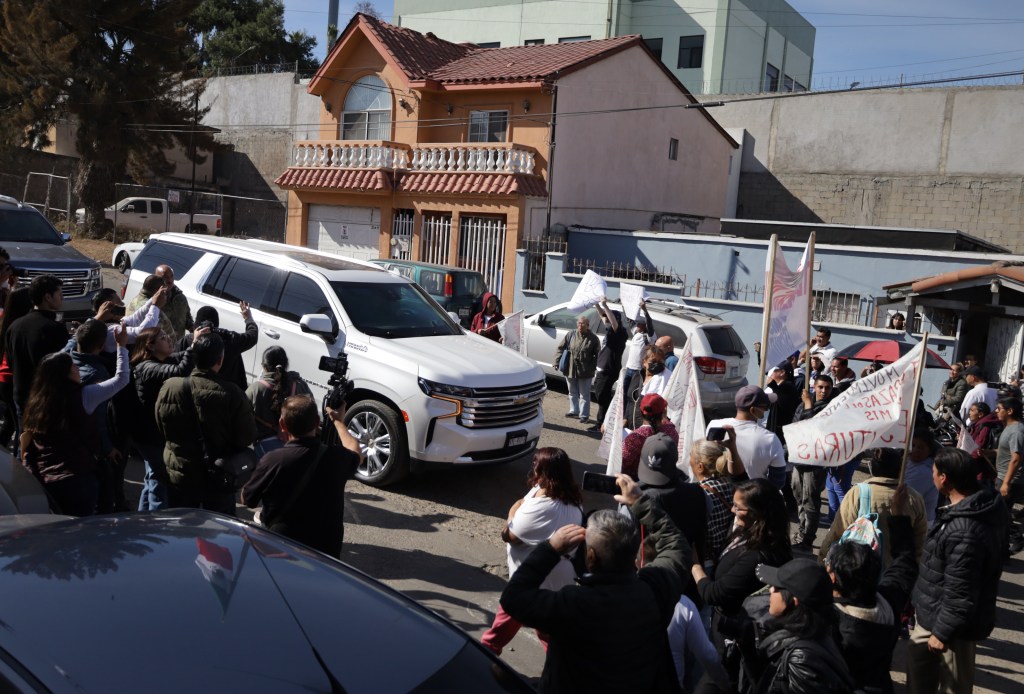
804 578
974 371
658 460
652 403
752 396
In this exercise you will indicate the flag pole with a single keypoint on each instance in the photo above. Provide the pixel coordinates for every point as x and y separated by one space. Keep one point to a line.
769 285
912 415
810 309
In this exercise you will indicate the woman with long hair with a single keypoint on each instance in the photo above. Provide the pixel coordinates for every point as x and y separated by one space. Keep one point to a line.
18 304
760 536
61 439
154 361
554 501
268 394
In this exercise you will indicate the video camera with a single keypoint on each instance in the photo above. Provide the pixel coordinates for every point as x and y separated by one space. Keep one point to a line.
340 389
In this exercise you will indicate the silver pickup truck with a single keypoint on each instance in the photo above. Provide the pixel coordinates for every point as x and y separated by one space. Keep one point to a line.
154 215
36 248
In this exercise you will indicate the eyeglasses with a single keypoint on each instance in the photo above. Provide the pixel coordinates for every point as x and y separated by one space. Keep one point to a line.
740 508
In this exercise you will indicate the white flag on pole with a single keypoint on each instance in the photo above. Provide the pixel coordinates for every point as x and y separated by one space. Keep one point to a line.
630 296
873 412
511 330
610 447
590 290
685 409
787 329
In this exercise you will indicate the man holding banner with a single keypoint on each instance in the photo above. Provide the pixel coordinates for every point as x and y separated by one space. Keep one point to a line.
609 360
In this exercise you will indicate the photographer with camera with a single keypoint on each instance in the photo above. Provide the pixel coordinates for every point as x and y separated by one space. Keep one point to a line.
302 485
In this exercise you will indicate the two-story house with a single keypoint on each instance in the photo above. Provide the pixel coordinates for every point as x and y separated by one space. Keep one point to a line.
446 152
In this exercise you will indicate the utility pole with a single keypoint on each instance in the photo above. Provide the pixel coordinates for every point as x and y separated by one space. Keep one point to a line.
192 147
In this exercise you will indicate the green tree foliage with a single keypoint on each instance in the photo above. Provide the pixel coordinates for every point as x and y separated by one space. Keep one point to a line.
119 69
248 32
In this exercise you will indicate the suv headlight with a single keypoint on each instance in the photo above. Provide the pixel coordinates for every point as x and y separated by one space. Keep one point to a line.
432 388
95 279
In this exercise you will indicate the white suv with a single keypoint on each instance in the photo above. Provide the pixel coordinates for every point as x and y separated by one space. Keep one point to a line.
426 392
719 353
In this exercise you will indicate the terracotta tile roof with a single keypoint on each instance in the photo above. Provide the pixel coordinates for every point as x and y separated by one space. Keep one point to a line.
465 183
348 179
424 56
526 63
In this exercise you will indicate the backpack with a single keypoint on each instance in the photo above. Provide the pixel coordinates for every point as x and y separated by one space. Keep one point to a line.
864 530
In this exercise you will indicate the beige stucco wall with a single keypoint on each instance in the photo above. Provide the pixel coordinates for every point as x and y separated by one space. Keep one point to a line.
612 169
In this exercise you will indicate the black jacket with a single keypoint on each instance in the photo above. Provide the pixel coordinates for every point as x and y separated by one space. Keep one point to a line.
150 376
685 504
609 633
955 595
783 410
28 340
796 665
233 368
867 637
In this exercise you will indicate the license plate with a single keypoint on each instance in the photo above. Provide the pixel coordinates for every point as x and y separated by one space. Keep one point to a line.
515 438
734 371
463 313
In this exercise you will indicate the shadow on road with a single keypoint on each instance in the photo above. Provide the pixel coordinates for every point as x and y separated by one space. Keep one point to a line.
392 564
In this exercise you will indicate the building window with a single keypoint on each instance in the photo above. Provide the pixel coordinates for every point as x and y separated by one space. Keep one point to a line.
533 42
573 39
797 87
490 44
367 110
771 78
488 126
788 84
655 46
673 149
691 52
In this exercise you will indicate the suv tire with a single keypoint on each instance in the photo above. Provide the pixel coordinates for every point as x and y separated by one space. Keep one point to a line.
124 263
382 438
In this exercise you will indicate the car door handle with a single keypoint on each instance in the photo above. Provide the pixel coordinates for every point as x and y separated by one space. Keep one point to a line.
272 334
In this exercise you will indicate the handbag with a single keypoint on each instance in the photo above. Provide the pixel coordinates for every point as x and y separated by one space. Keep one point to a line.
227 473
564 360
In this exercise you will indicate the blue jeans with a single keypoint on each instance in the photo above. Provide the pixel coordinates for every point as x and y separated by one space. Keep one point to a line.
837 483
154 484
579 396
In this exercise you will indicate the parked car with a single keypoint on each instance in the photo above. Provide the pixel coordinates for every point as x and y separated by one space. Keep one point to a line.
194 601
718 351
153 214
37 248
455 289
124 255
20 492
426 391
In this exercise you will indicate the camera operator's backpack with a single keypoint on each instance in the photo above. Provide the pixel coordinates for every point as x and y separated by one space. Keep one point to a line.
864 530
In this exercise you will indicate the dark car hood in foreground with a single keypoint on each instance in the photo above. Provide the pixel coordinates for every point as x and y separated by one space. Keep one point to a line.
32 255
193 601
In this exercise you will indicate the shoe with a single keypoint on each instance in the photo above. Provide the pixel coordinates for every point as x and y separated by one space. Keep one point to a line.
572 414
584 420
596 428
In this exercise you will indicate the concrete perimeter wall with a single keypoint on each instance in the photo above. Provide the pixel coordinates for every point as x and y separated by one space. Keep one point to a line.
933 158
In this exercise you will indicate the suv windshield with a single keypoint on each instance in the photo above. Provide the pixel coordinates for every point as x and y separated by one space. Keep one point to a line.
27 226
393 310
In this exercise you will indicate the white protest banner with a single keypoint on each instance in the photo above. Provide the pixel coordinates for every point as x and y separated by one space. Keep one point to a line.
871 413
787 327
630 296
611 441
592 287
685 410
511 330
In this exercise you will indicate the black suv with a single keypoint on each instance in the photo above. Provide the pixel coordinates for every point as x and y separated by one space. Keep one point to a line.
36 248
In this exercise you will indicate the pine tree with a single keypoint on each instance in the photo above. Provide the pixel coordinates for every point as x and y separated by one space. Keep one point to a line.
119 68
248 32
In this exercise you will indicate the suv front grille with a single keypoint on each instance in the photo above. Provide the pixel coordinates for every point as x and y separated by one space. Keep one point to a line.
493 408
75 282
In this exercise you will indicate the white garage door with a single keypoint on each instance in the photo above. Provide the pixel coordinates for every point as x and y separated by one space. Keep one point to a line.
353 232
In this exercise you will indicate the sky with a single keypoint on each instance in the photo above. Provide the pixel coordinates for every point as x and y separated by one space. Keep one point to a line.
866 41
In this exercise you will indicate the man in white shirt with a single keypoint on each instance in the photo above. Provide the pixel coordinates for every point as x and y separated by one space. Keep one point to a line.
759 449
979 392
643 334
822 346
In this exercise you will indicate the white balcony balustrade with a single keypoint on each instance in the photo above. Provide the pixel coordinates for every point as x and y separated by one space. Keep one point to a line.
489 158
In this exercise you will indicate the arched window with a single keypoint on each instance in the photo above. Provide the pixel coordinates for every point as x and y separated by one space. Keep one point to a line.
367 111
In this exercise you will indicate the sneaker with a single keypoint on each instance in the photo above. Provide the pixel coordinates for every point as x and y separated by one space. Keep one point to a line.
572 414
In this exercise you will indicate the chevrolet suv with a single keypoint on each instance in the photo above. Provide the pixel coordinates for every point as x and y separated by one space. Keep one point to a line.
719 353
36 248
426 392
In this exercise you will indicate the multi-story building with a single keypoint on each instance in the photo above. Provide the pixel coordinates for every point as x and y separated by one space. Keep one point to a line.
711 46
445 152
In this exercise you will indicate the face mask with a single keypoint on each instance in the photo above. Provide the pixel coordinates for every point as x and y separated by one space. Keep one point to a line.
655 368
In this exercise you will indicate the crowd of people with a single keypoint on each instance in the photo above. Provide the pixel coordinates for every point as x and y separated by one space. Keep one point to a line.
149 378
718 571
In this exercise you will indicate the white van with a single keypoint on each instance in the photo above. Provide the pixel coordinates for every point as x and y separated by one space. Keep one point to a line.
426 391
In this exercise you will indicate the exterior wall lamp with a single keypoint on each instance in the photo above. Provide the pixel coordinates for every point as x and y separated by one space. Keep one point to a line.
526 105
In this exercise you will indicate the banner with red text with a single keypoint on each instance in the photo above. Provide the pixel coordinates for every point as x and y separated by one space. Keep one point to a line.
787 327
685 410
874 412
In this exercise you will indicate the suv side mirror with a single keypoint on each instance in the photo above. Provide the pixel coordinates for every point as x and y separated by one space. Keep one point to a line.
542 320
65 237
318 324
